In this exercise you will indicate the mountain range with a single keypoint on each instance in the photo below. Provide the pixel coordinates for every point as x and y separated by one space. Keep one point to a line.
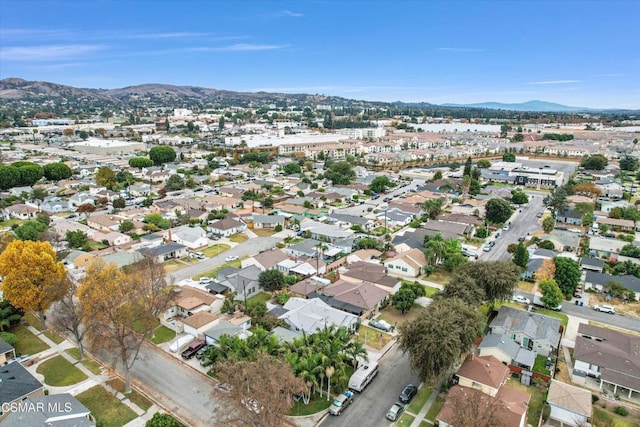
16 90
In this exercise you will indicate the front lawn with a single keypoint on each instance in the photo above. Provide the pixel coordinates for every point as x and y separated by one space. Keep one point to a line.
32 320
142 402
239 238
106 408
214 272
525 286
430 291
316 404
393 316
262 297
216 249
420 399
264 232
373 337
59 372
27 342
162 335
439 275
435 409
405 420
87 362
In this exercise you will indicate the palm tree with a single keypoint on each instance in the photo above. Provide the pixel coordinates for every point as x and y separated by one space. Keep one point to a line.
435 249
355 350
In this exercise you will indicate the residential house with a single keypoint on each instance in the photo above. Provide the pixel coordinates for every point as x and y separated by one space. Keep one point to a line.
113 238
367 255
82 198
328 233
123 258
530 330
302 269
507 351
394 218
22 211
510 406
602 281
533 265
311 315
609 356
616 224
348 221
592 264
448 230
605 248
164 252
375 273
224 327
51 410
78 259
7 352
104 222
610 189
569 216
244 282
485 373
408 264
17 384
409 240
570 405
265 260
268 221
308 248
55 205
367 296
191 237
197 324
226 227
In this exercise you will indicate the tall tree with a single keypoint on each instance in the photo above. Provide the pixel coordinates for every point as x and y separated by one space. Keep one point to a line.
521 256
258 393
106 177
547 269
567 274
472 408
556 200
551 293
436 339
433 207
123 308
548 223
69 316
162 154
467 167
496 278
380 184
464 288
340 173
33 280
498 211
271 280
403 299
57 171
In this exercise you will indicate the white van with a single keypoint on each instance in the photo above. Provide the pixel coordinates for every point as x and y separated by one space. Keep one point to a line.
363 376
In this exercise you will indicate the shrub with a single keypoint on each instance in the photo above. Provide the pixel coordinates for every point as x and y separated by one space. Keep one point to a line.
9 338
546 244
278 228
620 410
594 398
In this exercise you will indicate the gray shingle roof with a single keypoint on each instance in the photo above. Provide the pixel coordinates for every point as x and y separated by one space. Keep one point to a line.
632 283
16 382
536 326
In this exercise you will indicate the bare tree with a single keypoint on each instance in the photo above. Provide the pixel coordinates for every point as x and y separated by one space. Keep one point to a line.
472 408
256 393
70 317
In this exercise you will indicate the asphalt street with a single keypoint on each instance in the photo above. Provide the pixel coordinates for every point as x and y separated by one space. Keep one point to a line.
370 407
521 223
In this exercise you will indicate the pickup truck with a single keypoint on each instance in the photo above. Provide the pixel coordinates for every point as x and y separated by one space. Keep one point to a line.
341 402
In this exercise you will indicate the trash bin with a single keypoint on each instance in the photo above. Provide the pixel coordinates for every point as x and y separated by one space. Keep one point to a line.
581 303
577 302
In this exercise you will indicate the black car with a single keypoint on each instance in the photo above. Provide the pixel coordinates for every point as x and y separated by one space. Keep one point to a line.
407 393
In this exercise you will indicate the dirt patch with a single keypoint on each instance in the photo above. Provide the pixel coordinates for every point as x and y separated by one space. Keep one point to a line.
563 373
395 317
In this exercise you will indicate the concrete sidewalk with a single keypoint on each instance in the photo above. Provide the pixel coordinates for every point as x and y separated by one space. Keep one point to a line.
427 405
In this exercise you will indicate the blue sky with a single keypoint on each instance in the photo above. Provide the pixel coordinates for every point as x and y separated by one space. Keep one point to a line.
582 53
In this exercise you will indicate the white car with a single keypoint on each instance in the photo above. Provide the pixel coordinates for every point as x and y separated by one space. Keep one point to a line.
604 309
521 299
506 227
205 280
231 258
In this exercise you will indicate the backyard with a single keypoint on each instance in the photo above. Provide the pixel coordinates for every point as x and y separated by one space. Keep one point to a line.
537 393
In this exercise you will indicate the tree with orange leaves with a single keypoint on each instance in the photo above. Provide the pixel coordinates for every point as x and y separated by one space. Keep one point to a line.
547 270
33 279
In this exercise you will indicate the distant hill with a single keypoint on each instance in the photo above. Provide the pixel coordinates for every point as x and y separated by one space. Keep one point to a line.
535 106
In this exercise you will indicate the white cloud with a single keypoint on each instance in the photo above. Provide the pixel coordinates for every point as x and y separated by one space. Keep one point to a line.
48 52
239 47
292 14
554 82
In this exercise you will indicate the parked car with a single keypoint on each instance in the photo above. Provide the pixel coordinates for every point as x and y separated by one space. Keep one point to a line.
488 246
395 411
520 299
506 227
205 280
407 393
193 348
539 215
341 402
380 324
603 308
231 258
